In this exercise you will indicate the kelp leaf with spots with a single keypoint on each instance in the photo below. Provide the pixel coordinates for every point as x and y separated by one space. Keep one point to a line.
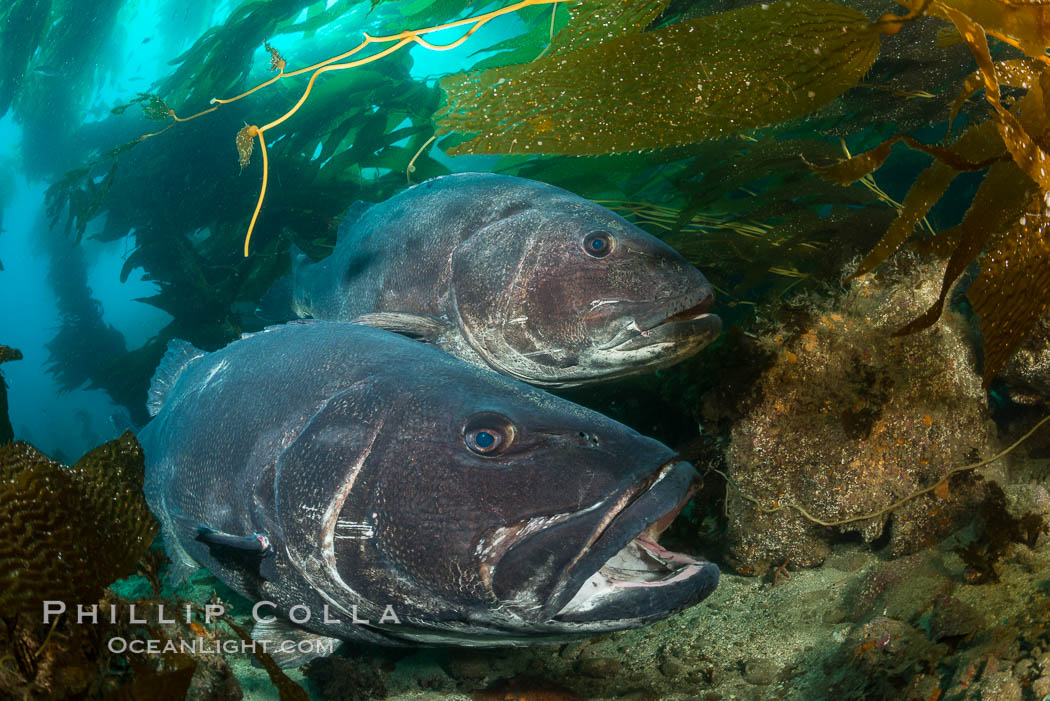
677 85
1000 198
594 23
1008 212
1028 155
1017 73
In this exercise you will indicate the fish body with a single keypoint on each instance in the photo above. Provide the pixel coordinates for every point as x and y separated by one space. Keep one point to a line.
351 472
512 274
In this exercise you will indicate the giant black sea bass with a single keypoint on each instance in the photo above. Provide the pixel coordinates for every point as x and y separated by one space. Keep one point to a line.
353 472
515 275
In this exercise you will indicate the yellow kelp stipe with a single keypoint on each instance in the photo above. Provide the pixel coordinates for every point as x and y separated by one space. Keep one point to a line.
396 41
677 85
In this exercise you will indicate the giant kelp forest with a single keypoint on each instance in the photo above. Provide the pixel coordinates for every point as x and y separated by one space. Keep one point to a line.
728 119
865 183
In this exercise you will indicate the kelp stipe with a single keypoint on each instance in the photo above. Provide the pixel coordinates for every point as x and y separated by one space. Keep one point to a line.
155 108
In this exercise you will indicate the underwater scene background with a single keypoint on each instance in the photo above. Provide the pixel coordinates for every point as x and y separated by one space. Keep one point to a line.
864 183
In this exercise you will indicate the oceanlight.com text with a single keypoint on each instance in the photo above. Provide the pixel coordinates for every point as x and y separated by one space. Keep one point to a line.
204 646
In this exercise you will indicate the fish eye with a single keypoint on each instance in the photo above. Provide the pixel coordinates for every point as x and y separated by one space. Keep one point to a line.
484 441
598 244
487 434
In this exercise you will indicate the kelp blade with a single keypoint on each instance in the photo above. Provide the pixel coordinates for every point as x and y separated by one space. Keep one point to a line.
597 22
976 149
1001 196
1027 153
1012 291
677 85
1026 22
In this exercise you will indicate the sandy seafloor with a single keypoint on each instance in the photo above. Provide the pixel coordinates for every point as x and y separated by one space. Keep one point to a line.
824 633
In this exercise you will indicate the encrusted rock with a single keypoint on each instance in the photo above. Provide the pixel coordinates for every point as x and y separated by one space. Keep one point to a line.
952 619
671 667
598 667
849 419
997 686
1027 372
1041 687
1024 500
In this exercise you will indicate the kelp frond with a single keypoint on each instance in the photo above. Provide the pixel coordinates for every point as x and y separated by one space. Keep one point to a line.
1010 212
155 108
675 85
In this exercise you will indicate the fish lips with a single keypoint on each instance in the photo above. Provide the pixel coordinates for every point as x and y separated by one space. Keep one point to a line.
682 581
686 323
597 536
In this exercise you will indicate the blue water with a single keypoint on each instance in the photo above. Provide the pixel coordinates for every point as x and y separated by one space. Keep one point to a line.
146 36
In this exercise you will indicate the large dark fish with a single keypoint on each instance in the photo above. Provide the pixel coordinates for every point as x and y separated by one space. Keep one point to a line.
330 464
512 274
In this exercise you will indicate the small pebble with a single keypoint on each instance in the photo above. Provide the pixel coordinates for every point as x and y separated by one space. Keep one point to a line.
760 672
468 667
598 668
671 667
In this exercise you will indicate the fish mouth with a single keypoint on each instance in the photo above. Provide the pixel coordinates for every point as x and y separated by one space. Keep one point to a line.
687 328
694 312
626 575
620 576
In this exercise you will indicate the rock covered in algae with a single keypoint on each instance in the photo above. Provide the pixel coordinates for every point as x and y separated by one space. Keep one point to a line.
1027 373
68 532
7 434
849 419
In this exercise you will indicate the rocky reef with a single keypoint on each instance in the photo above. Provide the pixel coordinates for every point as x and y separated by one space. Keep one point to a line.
848 420
1027 373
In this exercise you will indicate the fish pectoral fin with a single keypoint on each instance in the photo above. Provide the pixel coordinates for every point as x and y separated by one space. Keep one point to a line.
182 564
285 642
176 359
255 543
419 326
253 551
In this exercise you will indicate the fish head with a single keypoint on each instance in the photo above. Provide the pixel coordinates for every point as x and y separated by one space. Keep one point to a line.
486 512
568 292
